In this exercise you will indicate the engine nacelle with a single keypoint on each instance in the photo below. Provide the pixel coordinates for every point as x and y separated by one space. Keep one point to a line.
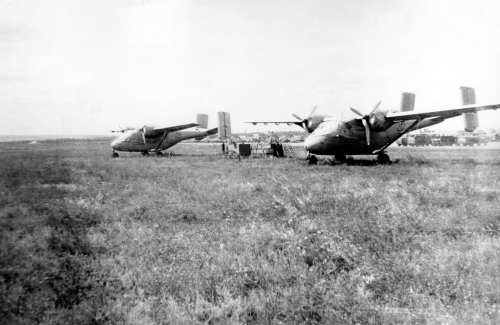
315 121
378 122
150 132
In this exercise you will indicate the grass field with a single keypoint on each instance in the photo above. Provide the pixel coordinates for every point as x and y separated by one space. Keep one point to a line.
199 239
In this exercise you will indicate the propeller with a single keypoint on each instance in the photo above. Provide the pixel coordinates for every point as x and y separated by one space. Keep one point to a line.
305 122
122 130
119 130
366 120
143 132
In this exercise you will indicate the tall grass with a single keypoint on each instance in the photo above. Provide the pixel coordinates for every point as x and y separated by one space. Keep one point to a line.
202 239
48 267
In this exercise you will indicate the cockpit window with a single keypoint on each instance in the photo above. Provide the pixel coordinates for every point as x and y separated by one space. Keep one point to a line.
324 128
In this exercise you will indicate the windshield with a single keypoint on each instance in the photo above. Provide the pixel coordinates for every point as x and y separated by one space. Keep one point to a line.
125 135
325 128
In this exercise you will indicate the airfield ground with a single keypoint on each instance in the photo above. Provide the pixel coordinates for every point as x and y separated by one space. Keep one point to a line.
197 238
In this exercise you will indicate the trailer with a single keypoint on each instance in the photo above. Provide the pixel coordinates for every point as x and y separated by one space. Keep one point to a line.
448 140
423 140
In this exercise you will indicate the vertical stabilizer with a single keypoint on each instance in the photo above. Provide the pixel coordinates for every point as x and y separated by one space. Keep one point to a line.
202 120
471 121
224 125
407 102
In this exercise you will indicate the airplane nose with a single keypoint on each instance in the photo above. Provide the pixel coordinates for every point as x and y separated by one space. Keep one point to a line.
313 144
115 143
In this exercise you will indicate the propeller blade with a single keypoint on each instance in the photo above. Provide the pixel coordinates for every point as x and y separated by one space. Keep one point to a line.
143 135
297 117
304 125
312 112
356 111
367 130
375 108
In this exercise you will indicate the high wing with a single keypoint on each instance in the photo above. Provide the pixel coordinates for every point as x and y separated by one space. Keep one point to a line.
308 123
175 128
278 123
448 113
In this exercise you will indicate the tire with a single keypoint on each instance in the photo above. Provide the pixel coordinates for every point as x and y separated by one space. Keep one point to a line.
383 159
341 158
313 160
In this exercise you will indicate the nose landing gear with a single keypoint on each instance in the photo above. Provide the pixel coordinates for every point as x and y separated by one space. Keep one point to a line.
311 158
114 154
383 159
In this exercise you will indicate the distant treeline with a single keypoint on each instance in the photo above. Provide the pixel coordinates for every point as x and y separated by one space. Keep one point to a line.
57 140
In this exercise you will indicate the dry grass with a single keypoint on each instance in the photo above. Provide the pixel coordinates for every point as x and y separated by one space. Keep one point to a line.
202 239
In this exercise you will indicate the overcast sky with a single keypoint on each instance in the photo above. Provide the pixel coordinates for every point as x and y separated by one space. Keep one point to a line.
85 67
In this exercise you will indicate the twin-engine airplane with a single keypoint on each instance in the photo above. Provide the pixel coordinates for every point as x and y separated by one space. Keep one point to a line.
157 138
369 134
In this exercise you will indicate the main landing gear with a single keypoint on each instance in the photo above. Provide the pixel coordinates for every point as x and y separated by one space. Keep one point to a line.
145 153
313 160
160 154
383 159
341 158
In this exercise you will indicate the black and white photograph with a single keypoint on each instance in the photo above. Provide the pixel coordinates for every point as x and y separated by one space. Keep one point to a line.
249 162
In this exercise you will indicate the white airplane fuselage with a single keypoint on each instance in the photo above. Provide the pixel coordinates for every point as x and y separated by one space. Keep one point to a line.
133 140
335 137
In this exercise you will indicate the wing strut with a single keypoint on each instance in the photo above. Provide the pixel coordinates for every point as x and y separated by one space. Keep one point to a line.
161 141
402 133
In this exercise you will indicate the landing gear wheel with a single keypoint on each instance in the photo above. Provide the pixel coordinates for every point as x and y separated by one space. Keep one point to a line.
313 160
383 159
160 154
145 153
341 158
114 155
